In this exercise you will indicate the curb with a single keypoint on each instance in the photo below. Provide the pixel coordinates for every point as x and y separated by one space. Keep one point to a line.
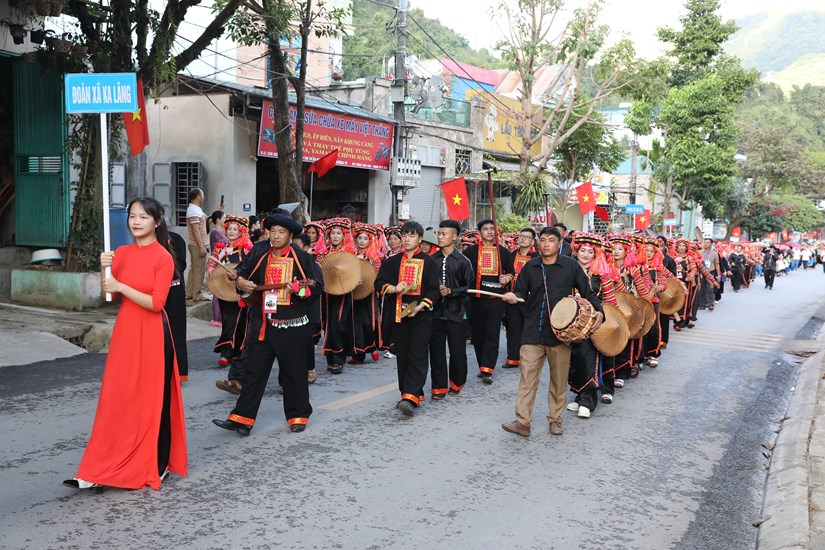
787 500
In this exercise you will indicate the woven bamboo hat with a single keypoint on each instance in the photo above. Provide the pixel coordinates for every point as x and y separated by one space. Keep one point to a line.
342 273
649 316
611 337
672 299
220 285
367 286
633 311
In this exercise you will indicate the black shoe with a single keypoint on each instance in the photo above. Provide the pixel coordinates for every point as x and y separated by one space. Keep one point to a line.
437 396
487 379
232 426
296 428
452 392
406 407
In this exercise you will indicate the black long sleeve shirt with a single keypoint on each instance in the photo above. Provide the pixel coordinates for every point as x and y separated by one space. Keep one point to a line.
390 275
540 283
490 283
669 263
456 273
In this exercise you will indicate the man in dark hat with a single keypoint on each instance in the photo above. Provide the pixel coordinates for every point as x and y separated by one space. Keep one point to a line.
279 277
769 259
411 278
493 266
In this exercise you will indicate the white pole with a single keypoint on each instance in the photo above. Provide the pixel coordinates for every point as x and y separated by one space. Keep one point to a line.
104 157
311 185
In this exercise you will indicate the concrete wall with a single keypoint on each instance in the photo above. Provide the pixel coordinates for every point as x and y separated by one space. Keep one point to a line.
76 291
199 129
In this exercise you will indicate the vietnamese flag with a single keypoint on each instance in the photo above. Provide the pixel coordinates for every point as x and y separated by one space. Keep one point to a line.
602 214
643 220
458 202
136 124
737 232
324 164
587 200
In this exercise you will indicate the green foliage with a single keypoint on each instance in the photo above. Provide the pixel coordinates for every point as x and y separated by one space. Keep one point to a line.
531 194
372 42
590 148
512 223
776 213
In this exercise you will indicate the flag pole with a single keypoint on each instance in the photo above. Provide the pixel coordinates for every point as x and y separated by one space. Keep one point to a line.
311 186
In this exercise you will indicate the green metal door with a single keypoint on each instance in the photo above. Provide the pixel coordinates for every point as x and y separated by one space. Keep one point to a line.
41 175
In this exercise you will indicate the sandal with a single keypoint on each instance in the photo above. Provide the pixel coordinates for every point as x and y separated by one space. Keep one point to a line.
231 386
607 399
336 369
312 376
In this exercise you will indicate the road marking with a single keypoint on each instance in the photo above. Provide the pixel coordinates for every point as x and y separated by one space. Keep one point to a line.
725 339
760 342
736 332
723 346
358 397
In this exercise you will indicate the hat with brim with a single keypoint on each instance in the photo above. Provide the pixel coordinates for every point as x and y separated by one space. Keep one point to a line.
367 285
342 273
219 283
429 237
672 299
611 337
293 226
632 311
649 316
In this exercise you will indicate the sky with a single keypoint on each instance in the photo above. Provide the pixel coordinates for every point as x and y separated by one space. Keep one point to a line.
638 18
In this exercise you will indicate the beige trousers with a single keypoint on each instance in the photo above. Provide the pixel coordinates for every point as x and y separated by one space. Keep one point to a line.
532 362
197 267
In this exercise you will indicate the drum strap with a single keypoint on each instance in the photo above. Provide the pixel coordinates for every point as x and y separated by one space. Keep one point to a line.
546 296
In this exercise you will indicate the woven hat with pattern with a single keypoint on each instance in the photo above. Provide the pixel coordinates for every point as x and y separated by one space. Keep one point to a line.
219 284
342 272
672 299
612 336
367 285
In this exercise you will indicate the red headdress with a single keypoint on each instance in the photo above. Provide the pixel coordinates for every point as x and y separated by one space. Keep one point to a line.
243 241
319 247
345 225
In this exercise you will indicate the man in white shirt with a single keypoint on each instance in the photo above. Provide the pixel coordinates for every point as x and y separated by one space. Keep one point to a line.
197 244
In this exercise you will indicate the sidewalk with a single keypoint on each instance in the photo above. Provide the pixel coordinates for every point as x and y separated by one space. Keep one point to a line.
793 510
33 334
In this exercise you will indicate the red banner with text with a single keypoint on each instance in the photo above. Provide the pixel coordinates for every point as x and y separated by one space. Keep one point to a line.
361 143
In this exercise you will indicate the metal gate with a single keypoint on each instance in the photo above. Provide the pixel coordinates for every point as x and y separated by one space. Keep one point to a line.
41 171
425 200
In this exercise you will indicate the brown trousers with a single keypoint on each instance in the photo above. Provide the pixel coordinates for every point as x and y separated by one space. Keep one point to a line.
197 268
532 362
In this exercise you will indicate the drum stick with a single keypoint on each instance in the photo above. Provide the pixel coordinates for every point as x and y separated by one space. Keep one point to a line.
492 294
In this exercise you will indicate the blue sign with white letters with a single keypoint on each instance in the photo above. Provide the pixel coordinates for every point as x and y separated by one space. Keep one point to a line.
101 93
634 209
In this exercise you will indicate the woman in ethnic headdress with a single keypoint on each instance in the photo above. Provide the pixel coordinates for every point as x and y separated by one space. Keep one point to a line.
658 275
393 238
315 230
589 369
337 311
366 313
233 314
686 272
631 265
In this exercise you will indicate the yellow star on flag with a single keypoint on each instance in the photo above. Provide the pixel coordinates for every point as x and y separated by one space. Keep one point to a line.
586 198
642 219
136 115
457 199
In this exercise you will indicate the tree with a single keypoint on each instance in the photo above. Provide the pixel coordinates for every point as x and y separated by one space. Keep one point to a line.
534 37
269 22
123 36
693 106
783 212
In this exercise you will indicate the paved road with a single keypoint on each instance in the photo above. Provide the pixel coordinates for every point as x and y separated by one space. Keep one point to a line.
675 462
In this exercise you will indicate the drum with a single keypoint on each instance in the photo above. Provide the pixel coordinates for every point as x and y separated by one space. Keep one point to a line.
573 319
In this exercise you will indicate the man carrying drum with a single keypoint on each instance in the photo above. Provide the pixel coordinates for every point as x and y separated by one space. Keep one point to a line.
542 283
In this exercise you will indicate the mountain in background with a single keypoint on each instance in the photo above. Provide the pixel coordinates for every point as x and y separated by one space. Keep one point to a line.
788 48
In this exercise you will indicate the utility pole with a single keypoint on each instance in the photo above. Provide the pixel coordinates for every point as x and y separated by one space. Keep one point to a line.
400 93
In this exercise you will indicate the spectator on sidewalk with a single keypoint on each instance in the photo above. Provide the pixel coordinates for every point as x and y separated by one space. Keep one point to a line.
197 244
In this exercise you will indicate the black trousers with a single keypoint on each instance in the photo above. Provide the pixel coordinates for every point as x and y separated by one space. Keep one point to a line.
289 347
514 322
652 339
664 328
232 321
485 323
584 362
769 277
315 329
412 339
165 432
448 333
607 374
176 310
736 279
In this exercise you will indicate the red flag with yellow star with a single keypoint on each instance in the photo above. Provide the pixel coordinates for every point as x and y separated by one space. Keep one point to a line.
136 124
587 199
643 220
458 202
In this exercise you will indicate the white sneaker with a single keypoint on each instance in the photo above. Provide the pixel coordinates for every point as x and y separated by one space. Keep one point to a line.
618 383
573 406
584 412
389 355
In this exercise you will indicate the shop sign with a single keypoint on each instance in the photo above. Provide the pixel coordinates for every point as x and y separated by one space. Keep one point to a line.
101 93
361 143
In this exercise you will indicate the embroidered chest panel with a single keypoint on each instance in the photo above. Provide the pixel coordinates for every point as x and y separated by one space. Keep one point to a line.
412 272
488 259
279 270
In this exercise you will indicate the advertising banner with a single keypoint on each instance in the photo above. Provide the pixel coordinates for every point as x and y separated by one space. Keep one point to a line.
361 143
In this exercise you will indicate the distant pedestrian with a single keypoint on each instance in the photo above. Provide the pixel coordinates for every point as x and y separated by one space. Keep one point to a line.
217 236
198 245
769 262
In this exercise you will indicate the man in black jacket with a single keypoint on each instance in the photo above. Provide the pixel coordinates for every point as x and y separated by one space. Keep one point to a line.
769 259
670 264
542 283
279 326
449 326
